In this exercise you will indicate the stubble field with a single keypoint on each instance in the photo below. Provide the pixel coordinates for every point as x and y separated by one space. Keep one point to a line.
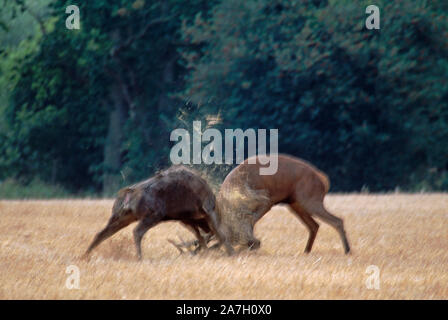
404 235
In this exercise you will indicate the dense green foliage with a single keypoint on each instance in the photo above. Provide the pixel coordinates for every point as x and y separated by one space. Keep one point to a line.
92 109
368 107
36 189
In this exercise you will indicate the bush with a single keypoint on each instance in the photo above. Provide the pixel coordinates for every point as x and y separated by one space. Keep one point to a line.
36 189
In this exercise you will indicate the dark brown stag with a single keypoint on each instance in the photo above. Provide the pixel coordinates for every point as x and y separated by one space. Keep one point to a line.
177 193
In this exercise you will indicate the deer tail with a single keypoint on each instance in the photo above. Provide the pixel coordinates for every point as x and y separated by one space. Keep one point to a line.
325 180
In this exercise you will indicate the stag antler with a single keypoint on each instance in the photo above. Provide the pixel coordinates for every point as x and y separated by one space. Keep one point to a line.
187 244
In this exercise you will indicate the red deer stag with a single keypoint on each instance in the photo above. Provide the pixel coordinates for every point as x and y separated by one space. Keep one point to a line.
177 193
246 196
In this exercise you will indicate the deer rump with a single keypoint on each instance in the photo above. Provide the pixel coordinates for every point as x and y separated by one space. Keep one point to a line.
246 196
175 194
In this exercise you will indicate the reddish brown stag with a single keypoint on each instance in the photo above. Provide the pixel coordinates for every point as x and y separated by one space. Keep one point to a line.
246 196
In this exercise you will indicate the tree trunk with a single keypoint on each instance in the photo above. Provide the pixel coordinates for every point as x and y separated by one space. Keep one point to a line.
112 147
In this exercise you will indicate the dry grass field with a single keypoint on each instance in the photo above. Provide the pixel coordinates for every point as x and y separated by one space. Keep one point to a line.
406 236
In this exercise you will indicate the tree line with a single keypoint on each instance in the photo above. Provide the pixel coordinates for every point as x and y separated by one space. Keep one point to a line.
92 109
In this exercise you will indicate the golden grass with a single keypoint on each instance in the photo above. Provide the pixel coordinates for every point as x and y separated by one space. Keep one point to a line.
406 236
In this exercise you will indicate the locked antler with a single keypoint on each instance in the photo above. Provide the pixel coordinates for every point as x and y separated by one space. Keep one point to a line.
184 245
188 244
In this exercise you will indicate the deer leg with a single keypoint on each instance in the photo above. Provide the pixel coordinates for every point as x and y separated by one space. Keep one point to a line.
262 208
143 226
115 224
207 233
200 239
247 235
309 222
316 208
